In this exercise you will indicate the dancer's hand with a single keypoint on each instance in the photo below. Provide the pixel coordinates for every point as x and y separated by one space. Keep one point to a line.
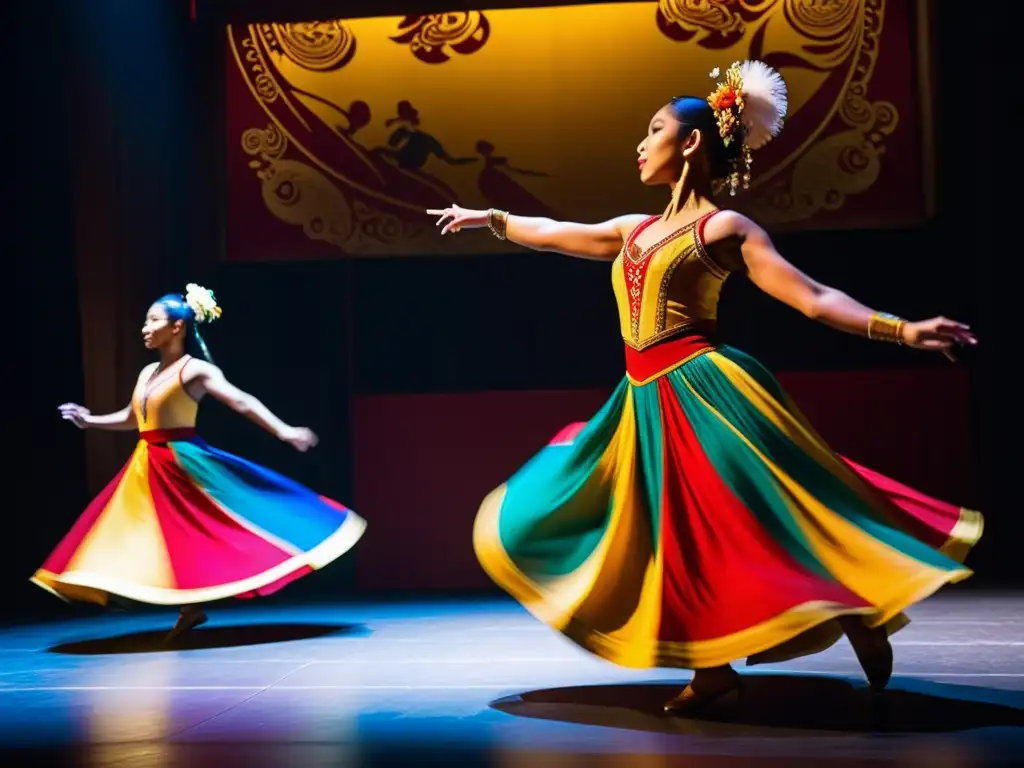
300 438
938 334
458 218
76 414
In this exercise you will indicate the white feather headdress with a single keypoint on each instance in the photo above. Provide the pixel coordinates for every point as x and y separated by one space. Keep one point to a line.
765 102
750 105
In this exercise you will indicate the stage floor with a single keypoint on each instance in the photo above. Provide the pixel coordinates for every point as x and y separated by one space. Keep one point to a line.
468 683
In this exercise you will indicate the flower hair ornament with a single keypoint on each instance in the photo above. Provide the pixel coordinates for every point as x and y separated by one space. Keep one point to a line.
750 105
204 309
202 303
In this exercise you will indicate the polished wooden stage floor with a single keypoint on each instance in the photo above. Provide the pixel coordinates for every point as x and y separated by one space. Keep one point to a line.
481 683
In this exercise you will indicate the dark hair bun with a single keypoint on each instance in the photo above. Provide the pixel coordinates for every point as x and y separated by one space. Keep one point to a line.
696 114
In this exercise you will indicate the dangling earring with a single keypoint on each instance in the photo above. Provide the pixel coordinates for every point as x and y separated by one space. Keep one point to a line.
673 205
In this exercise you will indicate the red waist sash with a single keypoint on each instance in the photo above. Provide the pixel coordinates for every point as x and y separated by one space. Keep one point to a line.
642 366
167 435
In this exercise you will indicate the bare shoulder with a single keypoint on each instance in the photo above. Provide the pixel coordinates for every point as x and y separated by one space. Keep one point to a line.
146 373
735 229
626 224
728 224
196 369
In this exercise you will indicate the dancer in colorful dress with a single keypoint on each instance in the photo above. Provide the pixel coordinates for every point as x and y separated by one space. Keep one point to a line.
184 523
698 518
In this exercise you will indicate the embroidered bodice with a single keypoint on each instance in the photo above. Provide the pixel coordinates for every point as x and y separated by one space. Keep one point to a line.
160 400
671 287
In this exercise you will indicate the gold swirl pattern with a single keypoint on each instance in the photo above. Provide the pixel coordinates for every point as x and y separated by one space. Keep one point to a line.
431 36
834 34
295 192
822 19
844 163
319 46
723 22
830 26
379 228
301 195
268 142
265 85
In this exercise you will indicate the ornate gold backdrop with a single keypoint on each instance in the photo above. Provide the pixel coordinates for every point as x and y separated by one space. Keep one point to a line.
342 132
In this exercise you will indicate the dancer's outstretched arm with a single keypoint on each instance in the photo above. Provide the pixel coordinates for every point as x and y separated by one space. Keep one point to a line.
81 417
770 272
599 242
202 378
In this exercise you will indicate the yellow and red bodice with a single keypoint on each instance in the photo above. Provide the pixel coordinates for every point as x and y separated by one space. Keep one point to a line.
667 296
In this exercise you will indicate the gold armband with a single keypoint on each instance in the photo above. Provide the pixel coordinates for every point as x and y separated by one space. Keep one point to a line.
497 222
885 327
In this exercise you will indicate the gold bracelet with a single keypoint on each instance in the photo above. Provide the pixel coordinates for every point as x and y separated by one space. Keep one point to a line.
497 222
885 327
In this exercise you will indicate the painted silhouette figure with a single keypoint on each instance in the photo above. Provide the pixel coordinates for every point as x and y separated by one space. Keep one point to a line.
410 147
345 121
362 165
358 115
503 192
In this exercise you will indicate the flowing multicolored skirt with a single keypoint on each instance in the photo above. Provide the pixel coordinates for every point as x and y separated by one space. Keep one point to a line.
698 519
186 523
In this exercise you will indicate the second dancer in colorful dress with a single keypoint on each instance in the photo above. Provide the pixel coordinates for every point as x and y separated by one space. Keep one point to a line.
184 523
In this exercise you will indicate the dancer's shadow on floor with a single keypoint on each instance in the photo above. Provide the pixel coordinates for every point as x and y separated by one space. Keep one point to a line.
208 637
777 704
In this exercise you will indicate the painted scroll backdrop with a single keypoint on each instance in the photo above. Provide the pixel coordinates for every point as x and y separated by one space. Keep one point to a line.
341 132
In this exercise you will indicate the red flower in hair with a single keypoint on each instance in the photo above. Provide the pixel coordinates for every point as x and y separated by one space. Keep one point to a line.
726 99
